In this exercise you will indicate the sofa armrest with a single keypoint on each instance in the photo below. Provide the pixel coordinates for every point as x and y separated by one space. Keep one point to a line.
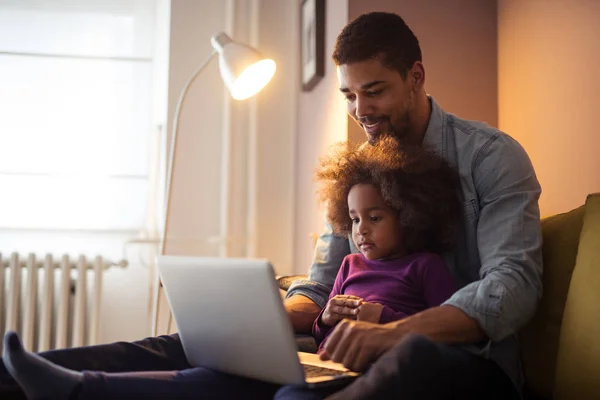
305 343
286 281
578 359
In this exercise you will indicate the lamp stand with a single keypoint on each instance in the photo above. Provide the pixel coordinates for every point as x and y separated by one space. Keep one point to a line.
170 164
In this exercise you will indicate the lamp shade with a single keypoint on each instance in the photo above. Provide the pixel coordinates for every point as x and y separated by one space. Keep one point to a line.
243 69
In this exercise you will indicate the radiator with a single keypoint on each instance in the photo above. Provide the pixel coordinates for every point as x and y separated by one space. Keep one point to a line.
52 303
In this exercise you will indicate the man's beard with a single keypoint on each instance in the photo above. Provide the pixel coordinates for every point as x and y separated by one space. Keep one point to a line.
400 133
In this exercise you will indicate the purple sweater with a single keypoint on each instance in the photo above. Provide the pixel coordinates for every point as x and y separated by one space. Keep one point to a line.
404 286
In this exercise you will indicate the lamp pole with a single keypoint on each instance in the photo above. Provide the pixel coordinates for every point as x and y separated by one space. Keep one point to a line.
168 188
245 72
171 158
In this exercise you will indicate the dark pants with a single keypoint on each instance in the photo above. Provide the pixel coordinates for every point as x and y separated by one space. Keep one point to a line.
415 369
418 368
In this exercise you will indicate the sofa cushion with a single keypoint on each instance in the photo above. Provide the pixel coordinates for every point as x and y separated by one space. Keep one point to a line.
306 343
539 338
578 361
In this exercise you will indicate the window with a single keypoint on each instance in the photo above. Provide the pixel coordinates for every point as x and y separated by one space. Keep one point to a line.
75 115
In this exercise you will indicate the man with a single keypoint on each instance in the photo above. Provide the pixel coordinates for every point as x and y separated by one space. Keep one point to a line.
466 348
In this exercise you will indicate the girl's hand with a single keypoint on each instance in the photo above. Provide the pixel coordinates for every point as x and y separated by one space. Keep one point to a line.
339 307
370 312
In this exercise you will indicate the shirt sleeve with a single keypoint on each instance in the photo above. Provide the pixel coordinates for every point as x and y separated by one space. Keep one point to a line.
320 330
330 251
509 241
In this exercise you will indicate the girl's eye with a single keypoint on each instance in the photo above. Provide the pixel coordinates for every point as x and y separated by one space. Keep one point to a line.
354 220
375 219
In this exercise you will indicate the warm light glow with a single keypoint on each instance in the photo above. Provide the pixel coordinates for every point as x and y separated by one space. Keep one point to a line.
253 79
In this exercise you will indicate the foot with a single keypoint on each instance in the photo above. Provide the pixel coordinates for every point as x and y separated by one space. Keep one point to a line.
38 377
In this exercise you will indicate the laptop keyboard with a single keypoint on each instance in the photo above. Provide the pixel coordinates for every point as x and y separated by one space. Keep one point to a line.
313 370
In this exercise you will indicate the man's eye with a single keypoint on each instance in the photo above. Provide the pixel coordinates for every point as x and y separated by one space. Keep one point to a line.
350 99
373 93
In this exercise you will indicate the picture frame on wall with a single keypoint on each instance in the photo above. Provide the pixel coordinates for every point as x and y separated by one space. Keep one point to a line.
312 21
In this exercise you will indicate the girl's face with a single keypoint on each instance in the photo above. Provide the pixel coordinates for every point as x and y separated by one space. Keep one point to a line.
375 227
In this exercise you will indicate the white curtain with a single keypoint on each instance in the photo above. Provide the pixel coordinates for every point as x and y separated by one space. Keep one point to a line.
76 130
80 137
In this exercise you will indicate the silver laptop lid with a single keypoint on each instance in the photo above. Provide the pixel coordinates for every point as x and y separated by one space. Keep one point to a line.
230 317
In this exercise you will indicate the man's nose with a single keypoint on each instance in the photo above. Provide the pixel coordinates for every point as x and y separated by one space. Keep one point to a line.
362 108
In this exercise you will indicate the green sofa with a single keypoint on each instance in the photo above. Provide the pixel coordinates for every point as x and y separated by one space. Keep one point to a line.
561 344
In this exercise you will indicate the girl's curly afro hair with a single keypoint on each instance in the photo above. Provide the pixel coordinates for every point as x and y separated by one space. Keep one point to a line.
419 185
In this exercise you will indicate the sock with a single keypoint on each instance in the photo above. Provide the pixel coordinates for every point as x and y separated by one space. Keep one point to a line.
38 377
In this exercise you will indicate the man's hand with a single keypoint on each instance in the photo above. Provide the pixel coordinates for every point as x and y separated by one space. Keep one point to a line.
356 344
369 312
340 307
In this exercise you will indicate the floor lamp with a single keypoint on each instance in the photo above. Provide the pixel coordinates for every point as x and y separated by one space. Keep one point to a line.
245 72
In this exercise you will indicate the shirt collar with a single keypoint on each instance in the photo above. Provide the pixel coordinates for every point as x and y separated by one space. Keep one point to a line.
433 139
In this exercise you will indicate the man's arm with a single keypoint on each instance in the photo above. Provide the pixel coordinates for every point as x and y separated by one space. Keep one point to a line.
445 324
305 298
509 239
356 344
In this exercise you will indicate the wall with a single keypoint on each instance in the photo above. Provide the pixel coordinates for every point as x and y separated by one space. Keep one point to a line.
549 58
195 202
321 122
271 226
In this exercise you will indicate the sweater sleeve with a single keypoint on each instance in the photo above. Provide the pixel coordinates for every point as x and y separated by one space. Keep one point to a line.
438 284
389 315
320 330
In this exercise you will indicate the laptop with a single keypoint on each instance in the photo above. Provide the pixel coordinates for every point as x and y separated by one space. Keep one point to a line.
230 318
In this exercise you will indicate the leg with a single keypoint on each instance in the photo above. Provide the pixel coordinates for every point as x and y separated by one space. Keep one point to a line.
193 383
304 392
38 377
160 353
418 368
41 378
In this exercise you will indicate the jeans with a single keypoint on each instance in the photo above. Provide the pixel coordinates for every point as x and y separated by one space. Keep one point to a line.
414 369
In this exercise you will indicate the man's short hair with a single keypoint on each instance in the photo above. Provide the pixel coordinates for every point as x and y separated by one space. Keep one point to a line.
378 35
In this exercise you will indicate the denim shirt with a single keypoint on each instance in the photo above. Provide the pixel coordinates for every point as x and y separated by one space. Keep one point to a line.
497 261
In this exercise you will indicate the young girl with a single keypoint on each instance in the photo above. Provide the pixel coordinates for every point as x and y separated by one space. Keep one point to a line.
400 205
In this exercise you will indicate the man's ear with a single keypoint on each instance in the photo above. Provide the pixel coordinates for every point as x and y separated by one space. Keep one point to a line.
417 75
